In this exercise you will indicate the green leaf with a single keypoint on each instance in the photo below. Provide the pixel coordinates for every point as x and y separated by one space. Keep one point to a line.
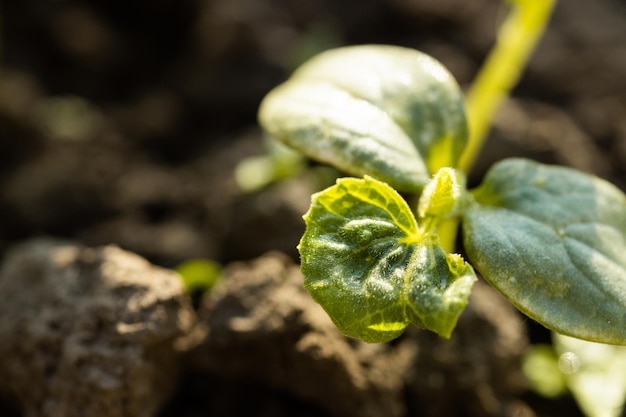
390 112
373 270
553 241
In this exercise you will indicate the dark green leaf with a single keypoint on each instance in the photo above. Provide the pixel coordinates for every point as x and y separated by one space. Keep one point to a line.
553 240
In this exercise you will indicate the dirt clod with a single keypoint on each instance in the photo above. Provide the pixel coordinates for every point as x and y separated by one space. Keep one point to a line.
88 331
479 367
263 326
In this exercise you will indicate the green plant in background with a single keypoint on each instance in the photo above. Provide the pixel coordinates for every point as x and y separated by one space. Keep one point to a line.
594 373
199 275
551 239
280 162
256 172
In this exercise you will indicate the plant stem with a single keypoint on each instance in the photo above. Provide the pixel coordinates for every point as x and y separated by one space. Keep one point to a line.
447 234
516 40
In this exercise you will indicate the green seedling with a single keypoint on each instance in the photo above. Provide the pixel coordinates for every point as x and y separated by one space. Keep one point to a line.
550 238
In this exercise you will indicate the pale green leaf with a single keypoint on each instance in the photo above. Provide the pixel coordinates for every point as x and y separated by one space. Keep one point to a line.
595 373
390 112
540 366
366 261
553 241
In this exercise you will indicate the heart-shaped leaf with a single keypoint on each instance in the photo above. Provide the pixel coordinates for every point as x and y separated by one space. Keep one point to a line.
366 261
390 112
553 241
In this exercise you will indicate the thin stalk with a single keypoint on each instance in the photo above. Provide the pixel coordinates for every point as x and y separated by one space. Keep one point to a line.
516 40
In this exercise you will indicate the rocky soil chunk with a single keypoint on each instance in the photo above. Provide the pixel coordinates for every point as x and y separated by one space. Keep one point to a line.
88 331
263 326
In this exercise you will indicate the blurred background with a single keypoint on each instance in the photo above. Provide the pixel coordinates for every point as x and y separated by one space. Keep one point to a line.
123 121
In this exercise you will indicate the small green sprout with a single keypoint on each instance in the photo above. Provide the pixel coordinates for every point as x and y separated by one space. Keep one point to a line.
199 275
550 238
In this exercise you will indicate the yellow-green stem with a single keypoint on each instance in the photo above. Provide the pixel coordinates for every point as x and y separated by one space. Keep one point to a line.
516 41
447 234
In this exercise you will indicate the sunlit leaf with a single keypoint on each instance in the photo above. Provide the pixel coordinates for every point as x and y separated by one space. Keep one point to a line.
371 267
390 112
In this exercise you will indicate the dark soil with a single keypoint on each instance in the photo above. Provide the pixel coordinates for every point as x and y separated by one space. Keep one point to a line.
122 123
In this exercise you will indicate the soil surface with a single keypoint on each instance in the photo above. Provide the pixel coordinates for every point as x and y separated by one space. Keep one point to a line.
122 123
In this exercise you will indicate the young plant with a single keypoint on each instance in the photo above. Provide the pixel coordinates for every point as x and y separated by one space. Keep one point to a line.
551 239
